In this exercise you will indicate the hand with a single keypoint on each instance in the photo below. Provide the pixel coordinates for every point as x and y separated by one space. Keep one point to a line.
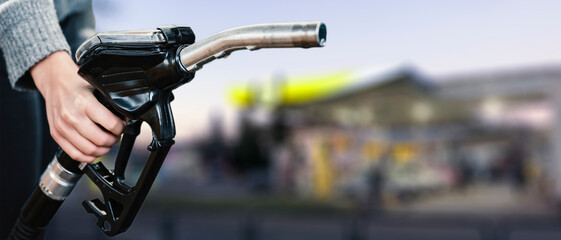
73 111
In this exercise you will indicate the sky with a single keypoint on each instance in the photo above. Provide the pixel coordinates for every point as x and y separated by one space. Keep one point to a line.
438 37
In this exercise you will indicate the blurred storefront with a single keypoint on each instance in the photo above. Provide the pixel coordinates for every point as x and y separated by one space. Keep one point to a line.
393 133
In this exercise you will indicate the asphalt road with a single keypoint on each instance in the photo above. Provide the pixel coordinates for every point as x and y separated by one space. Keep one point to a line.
454 215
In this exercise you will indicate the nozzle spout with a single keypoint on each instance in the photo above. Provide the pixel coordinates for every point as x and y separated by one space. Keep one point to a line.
278 35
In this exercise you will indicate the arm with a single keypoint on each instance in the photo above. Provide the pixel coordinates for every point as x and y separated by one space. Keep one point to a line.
37 56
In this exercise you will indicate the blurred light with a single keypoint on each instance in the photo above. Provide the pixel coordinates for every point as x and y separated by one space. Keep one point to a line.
492 108
293 90
343 116
365 116
532 115
422 111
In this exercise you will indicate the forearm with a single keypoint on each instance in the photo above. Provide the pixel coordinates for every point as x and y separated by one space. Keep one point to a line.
29 32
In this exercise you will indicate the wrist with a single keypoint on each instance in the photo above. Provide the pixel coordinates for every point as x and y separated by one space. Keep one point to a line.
57 69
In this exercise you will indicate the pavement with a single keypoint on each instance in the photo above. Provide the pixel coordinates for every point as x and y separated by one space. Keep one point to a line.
482 199
479 212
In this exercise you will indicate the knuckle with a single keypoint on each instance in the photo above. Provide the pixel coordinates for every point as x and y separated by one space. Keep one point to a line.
59 126
86 159
100 140
58 140
116 139
97 141
90 150
103 151
67 116
116 125
74 155
108 141
54 133
81 101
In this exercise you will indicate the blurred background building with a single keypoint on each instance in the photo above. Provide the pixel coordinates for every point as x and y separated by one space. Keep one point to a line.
397 133
462 143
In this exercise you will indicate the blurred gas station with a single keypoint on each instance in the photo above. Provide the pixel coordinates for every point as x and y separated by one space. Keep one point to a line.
460 139
344 130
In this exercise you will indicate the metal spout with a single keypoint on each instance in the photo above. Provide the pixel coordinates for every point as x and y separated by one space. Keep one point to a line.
277 35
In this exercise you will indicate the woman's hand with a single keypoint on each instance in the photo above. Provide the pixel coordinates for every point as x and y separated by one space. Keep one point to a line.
73 111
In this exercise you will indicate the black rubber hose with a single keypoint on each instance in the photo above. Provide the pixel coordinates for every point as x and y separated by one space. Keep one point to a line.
40 208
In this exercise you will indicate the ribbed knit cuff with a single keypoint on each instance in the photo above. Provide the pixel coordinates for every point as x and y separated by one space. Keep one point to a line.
29 32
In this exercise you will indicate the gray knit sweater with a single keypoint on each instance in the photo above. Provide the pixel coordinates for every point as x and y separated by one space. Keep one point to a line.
31 30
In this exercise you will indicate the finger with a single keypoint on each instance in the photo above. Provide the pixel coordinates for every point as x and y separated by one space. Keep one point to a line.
78 141
72 151
96 135
101 115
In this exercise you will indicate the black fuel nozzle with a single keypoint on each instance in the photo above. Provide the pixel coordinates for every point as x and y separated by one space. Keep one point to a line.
134 73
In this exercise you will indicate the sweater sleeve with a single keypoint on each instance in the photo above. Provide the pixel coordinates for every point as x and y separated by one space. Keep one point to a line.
29 32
